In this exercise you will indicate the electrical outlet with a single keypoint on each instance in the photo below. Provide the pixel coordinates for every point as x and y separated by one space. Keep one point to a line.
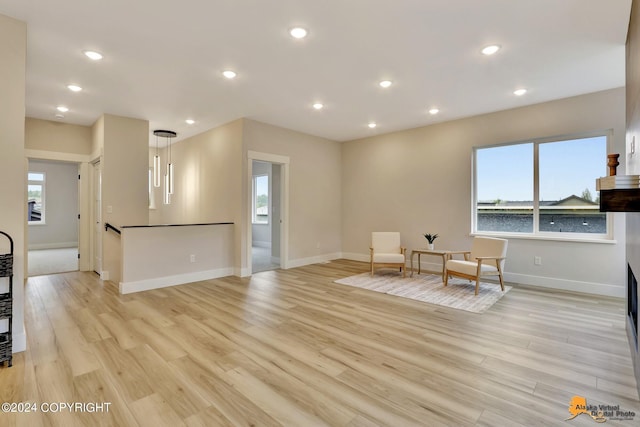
537 260
192 258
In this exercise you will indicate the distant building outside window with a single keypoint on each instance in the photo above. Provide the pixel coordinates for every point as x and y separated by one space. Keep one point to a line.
261 199
36 197
541 187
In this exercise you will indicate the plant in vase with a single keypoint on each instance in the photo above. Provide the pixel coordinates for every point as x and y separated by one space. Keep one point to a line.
430 238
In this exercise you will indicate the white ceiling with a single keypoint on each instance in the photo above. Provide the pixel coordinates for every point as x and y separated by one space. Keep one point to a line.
163 59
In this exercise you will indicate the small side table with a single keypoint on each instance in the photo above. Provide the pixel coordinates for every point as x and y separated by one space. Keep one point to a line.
434 252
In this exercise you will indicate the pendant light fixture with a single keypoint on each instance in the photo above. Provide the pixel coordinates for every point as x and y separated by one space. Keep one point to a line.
168 175
156 164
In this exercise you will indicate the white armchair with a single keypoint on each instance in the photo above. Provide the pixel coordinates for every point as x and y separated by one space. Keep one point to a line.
486 258
386 251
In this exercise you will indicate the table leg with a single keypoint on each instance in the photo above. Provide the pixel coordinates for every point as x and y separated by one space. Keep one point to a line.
444 261
411 274
419 265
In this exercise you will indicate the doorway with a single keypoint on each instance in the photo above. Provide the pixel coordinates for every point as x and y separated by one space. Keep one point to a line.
267 219
52 216
96 218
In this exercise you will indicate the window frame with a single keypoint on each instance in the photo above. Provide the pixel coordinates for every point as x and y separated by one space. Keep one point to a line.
536 234
254 216
43 185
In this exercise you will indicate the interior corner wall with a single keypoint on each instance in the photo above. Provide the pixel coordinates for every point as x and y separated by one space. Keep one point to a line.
315 202
125 185
419 180
207 181
13 42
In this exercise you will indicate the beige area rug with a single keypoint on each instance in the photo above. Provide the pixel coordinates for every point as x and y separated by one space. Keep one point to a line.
459 293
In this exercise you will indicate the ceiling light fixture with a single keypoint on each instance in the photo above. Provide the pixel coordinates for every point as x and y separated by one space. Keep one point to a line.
74 88
491 49
91 54
62 108
229 74
318 106
372 125
190 121
298 32
434 111
385 83
519 92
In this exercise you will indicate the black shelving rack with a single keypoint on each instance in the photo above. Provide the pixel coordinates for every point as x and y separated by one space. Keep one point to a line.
6 304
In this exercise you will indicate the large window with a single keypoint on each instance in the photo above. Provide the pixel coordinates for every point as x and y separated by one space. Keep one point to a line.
35 197
542 187
261 199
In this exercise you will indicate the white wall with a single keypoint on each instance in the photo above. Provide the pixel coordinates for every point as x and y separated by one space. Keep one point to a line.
13 166
419 180
60 228
155 257
125 144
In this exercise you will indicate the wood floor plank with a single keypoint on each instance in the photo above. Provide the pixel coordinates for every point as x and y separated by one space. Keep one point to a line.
290 347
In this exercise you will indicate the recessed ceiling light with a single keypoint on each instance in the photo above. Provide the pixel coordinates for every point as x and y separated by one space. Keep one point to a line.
74 88
318 106
491 49
91 54
62 108
229 74
298 32
434 111
190 121
385 83
372 125
519 92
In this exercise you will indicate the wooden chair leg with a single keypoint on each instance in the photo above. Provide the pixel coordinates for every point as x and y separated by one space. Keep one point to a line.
477 285
446 278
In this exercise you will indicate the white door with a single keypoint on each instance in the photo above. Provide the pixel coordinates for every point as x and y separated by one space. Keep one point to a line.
97 218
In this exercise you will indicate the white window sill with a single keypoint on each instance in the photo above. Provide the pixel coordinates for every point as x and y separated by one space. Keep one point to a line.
581 238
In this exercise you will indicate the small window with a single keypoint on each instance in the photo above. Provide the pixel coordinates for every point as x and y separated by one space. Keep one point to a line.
36 197
261 199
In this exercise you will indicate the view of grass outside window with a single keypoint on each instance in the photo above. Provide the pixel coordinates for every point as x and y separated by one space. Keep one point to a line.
541 187
35 197
261 199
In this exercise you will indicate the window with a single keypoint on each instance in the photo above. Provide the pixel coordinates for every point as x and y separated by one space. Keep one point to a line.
261 199
35 197
542 187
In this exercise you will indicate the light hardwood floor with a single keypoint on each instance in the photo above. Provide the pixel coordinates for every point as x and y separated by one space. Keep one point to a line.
292 348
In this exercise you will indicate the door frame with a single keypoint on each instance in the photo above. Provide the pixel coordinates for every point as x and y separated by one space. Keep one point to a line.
283 161
84 231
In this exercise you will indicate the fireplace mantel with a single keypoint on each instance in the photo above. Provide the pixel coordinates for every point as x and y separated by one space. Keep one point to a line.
620 200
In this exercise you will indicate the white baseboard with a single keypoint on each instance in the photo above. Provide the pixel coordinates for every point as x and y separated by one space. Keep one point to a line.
19 341
313 260
61 245
179 279
523 279
241 272
567 285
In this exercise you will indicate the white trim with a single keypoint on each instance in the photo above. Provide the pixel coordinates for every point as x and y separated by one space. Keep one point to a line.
60 245
56 155
314 260
567 285
284 211
179 279
19 343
